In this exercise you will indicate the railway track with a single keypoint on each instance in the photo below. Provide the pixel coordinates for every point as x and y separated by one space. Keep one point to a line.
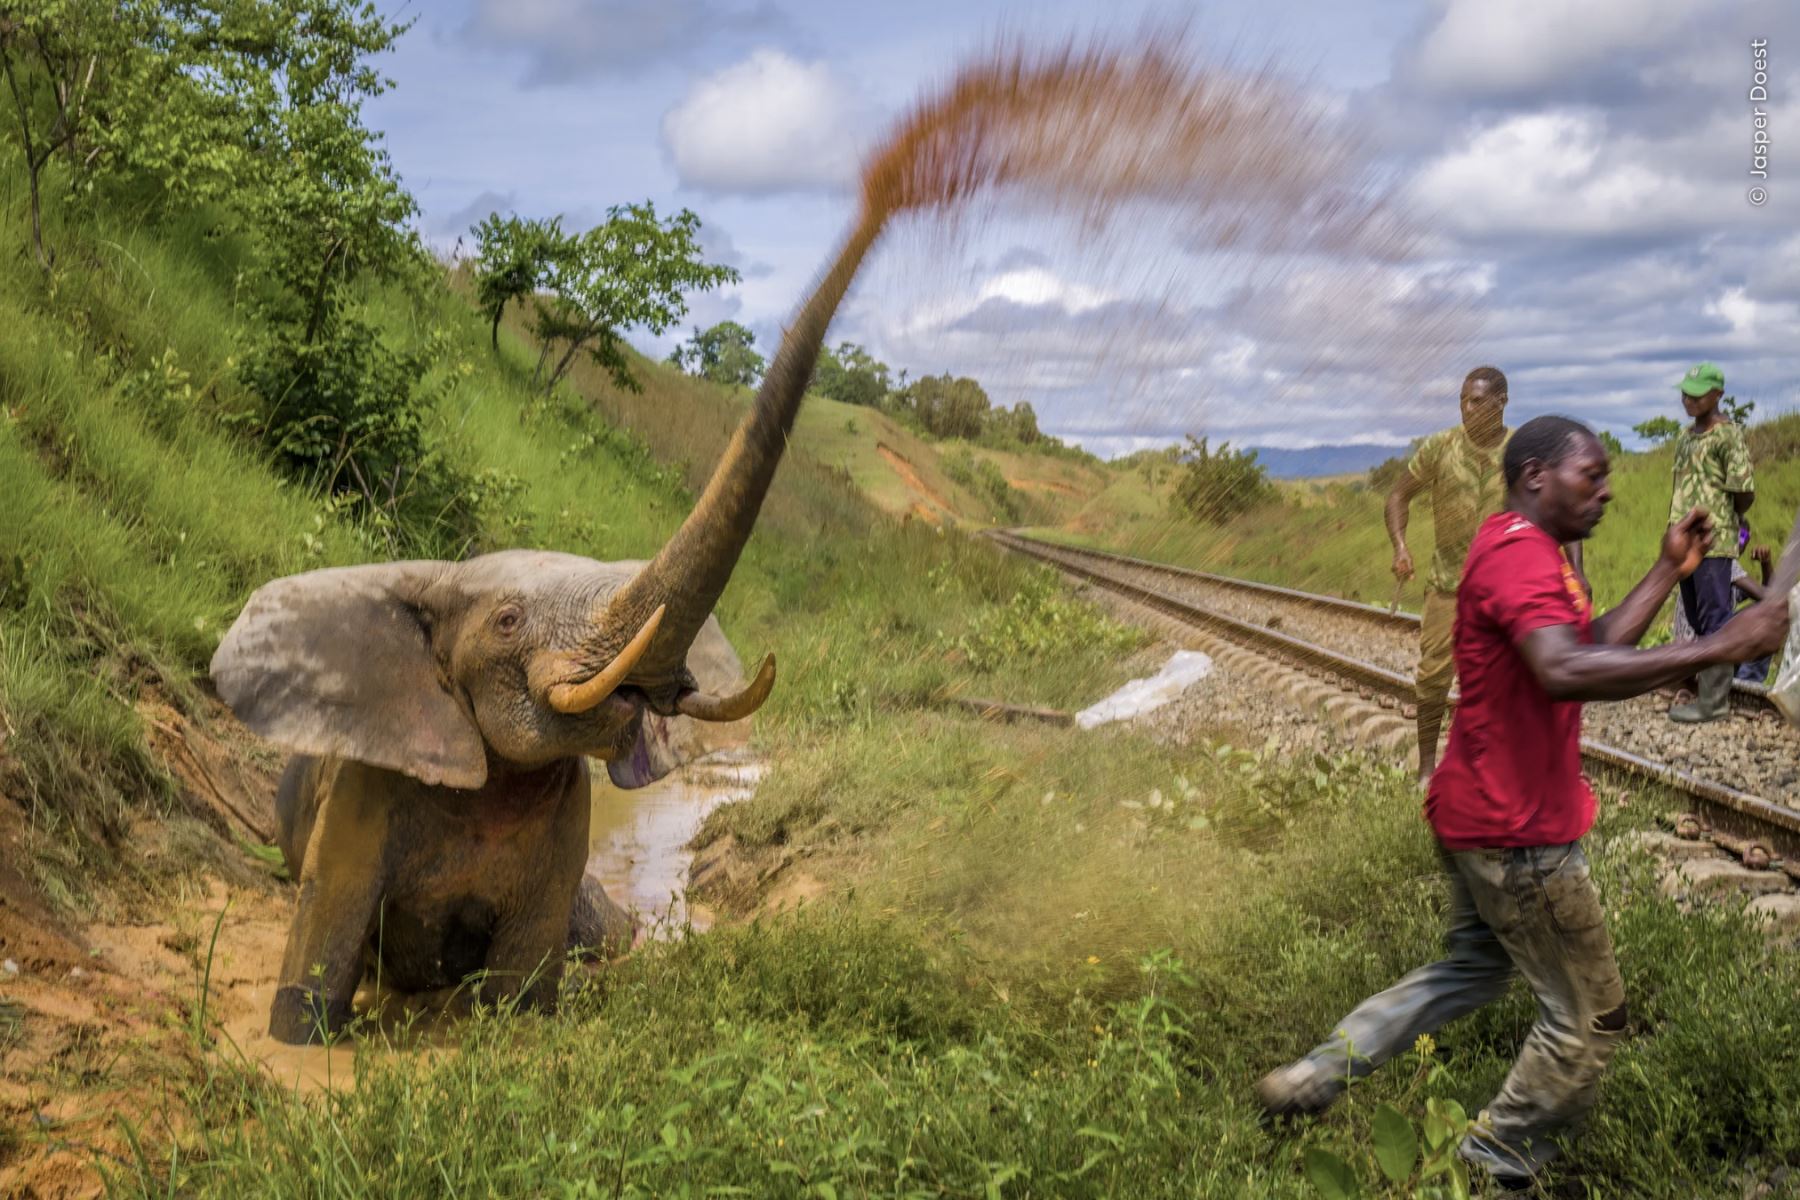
1753 827
1395 632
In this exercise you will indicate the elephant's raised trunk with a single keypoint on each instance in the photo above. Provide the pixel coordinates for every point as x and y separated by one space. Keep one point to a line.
690 572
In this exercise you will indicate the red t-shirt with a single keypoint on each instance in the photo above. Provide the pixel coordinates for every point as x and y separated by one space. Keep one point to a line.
1511 775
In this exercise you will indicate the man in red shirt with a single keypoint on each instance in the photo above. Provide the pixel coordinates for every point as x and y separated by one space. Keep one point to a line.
1509 803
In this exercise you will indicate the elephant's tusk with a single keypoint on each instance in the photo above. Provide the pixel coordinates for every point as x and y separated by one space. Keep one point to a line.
704 706
580 697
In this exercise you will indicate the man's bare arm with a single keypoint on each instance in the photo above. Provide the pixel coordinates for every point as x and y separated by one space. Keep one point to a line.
1399 509
1625 624
1765 566
1569 669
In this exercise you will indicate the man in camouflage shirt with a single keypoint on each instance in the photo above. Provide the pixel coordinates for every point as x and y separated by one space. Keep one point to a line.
1712 471
1459 468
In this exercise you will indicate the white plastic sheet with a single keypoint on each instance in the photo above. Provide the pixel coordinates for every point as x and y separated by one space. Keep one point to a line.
1184 669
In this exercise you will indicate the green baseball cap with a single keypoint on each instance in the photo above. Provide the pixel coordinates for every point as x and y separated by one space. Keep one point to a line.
1701 379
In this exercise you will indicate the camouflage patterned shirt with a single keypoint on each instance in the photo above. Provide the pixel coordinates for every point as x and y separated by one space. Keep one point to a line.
1708 468
1463 480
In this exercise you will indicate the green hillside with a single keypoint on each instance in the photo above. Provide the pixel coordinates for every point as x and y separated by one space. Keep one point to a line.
898 470
140 519
1329 536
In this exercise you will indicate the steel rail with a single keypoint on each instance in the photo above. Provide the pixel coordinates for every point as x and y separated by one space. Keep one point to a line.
1372 612
1753 697
1733 811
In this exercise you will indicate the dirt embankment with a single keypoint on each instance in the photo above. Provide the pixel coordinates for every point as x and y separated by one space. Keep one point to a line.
97 1020
1045 485
930 504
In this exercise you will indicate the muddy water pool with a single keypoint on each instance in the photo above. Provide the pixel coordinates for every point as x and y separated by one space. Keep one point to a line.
637 840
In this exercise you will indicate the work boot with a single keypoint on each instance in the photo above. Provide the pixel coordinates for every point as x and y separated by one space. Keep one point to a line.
1713 701
1510 1173
1303 1088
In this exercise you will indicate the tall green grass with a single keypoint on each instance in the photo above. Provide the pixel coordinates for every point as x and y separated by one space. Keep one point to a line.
1039 984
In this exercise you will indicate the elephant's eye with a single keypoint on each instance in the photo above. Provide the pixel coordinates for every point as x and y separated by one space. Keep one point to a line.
508 619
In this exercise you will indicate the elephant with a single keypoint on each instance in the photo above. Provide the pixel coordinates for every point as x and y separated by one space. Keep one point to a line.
442 715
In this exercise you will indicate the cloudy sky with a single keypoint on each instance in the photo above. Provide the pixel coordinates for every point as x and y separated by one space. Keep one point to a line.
1583 173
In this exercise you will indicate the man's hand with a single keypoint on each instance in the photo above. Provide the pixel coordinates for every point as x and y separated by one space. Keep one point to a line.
1687 542
1755 632
1764 558
1403 564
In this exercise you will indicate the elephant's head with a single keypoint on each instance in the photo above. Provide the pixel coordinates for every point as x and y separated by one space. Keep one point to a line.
521 657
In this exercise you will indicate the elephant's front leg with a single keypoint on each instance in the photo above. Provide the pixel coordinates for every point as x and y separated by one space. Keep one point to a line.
525 958
341 882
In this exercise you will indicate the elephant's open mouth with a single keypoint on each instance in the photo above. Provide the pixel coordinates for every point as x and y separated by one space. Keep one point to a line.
624 712
640 743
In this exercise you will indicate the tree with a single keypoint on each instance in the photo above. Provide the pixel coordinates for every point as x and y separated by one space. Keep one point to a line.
322 210
54 55
328 207
630 271
1216 485
725 354
1613 446
1016 424
1737 411
1657 429
948 406
513 258
851 375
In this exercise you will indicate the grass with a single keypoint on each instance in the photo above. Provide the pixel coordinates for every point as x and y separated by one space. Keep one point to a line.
1024 997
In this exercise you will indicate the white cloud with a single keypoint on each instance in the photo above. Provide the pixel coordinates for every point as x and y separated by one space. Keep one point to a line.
1483 47
1753 321
1036 286
766 125
1557 172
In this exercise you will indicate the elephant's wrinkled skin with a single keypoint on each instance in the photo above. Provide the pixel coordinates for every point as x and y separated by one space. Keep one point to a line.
437 814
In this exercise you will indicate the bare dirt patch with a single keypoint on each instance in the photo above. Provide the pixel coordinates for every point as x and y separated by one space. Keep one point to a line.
1044 485
909 475
97 1020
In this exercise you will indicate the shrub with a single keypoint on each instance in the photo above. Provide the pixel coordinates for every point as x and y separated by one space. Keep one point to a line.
1216 485
345 413
1042 619
986 480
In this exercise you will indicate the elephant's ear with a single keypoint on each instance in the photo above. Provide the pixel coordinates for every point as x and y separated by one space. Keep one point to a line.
664 743
339 663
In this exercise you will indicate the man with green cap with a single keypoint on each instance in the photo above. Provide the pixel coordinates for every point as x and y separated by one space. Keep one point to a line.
1712 471
1459 470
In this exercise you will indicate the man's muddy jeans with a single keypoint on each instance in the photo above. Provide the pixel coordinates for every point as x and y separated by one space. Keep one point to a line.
1534 911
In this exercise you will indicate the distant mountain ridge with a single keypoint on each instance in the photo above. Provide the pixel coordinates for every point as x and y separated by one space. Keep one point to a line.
1323 460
